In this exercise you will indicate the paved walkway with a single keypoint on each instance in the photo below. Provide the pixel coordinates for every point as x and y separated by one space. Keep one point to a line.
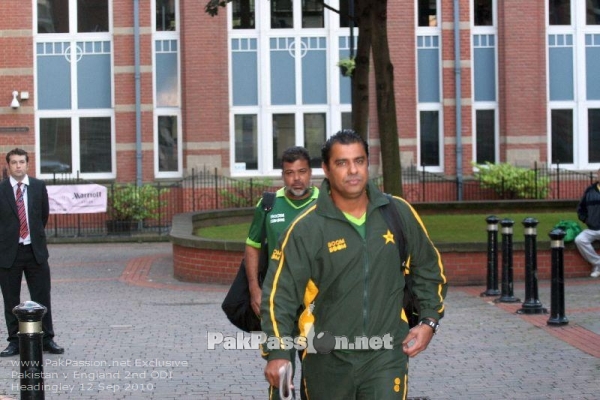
131 331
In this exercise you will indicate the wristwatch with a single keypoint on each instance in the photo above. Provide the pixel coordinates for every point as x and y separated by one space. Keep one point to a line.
430 323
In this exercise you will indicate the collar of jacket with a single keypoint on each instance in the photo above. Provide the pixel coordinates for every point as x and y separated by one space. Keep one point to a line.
326 207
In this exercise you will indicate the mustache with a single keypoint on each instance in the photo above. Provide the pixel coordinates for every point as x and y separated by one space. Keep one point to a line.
353 177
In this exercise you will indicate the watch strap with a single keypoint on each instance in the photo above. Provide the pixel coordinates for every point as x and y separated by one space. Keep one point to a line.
431 323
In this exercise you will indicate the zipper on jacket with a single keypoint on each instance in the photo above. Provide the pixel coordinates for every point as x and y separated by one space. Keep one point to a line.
366 283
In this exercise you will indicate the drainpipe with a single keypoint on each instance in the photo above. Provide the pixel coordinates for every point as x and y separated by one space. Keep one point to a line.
457 83
138 108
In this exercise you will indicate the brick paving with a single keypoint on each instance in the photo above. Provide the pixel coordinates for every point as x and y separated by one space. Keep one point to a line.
132 331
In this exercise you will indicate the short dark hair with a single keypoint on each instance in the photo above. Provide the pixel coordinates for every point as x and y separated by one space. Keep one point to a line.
16 152
345 136
295 153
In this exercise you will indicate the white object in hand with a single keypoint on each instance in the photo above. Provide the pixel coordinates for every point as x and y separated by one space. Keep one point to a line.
285 381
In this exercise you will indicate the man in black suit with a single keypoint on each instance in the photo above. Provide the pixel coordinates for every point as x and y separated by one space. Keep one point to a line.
24 212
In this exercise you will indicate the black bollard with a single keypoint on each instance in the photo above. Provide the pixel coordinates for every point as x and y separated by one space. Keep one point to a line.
532 304
557 288
492 257
507 262
31 349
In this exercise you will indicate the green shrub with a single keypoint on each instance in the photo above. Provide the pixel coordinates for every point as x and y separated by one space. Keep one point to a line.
244 193
132 203
511 182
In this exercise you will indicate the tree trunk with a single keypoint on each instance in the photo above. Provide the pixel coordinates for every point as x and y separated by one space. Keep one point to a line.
360 77
386 102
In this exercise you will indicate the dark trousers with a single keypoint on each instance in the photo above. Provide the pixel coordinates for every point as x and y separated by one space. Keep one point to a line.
38 282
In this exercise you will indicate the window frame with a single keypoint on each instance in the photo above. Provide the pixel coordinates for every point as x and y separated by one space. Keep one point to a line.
479 30
264 109
161 111
74 113
431 31
578 29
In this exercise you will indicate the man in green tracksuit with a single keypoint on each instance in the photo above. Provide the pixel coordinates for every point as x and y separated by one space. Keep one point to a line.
339 263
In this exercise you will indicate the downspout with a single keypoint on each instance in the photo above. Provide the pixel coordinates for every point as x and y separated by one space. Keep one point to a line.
138 107
457 83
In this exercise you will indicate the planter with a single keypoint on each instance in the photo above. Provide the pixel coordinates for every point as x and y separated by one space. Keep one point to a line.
344 71
347 66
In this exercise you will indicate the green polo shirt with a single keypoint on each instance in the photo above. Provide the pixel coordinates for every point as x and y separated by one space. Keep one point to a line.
284 211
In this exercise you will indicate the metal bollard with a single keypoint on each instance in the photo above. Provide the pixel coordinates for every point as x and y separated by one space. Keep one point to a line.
492 257
557 288
532 304
30 315
507 262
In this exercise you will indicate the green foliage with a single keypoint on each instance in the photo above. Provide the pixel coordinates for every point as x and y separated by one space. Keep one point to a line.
511 182
347 66
212 7
130 203
244 193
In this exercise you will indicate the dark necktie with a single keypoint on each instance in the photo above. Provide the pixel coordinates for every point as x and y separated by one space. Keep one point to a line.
21 210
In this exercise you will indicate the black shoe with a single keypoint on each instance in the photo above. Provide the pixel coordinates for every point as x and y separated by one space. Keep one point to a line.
11 350
51 347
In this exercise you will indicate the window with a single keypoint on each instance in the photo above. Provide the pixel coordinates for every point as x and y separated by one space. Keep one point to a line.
74 88
429 87
282 14
485 128
95 144
165 15
429 129
246 142
345 13
573 37
562 136
427 13
56 153
284 136
167 73
285 87
312 14
167 144
314 136
483 11
53 16
559 12
346 120
167 104
242 14
593 12
484 77
594 135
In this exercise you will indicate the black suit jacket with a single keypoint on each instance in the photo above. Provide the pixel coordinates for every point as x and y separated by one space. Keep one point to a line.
38 210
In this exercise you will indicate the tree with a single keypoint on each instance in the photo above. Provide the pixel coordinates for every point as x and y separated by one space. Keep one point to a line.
371 20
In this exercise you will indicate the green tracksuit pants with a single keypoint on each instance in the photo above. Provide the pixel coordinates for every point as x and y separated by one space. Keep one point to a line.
360 375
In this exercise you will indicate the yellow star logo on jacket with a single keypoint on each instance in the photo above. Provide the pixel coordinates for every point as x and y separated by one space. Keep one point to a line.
389 237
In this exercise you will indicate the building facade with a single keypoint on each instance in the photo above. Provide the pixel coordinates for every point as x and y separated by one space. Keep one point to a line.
148 90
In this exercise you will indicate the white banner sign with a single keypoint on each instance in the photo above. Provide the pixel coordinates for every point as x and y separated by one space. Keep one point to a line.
77 199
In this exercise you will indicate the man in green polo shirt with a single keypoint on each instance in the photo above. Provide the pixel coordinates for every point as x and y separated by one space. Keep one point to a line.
297 193
290 200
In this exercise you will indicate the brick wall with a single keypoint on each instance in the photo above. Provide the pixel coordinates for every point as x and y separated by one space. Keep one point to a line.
462 268
522 87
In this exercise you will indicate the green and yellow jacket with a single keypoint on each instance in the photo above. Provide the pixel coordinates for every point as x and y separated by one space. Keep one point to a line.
346 283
